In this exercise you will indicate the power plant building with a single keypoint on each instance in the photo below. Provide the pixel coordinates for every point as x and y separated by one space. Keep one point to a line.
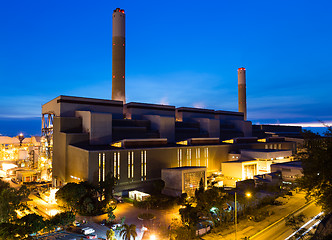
136 141
92 138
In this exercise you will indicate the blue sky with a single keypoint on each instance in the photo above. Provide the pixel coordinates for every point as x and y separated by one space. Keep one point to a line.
183 53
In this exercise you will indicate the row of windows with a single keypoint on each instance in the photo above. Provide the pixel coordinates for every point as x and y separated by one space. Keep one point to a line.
116 165
273 146
205 161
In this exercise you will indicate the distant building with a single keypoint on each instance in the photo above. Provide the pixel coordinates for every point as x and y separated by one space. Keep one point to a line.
290 171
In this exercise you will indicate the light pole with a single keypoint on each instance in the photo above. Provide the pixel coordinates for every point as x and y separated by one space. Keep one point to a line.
248 195
235 217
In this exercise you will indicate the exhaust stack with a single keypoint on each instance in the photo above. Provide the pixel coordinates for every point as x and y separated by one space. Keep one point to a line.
118 56
242 91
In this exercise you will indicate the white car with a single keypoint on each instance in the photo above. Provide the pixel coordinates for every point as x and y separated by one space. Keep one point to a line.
116 226
87 230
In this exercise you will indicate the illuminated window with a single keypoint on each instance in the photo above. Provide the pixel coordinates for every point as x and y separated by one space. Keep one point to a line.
104 166
129 167
179 157
143 165
189 157
99 167
279 146
114 166
198 157
132 164
206 156
118 165
266 146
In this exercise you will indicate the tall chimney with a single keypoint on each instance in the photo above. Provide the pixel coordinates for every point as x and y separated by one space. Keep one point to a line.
118 56
241 73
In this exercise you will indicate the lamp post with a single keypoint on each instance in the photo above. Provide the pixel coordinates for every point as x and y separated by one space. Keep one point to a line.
248 195
235 217
20 138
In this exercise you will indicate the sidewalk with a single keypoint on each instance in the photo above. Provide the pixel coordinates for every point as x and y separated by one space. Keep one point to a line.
247 228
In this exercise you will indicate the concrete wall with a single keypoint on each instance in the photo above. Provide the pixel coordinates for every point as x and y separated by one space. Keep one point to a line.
135 110
65 106
165 126
173 182
78 167
232 169
98 125
187 114
212 126
248 153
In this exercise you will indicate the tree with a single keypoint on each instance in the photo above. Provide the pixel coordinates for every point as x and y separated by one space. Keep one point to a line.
69 196
128 232
316 157
110 235
63 219
178 231
106 187
31 223
10 201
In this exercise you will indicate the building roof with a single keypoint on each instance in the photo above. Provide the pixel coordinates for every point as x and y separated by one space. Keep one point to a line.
289 164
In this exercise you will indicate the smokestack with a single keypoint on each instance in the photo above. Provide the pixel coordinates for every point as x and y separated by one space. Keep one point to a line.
241 73
118 56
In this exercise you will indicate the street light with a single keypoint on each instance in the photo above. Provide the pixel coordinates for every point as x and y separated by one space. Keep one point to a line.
20 138
248 195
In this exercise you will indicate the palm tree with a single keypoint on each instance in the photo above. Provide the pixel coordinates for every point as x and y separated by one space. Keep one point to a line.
128 232
110 235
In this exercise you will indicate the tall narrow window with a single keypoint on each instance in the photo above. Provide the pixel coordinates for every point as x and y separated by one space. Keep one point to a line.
104 162
189 157
129 167
180 157
206 156
143 165
132 165
99 167
115 172
118 165
198 157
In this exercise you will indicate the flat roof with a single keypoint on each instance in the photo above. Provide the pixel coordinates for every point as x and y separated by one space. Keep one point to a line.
289 164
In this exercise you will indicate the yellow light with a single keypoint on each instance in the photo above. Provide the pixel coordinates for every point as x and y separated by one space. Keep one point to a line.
183 142
153 237
262 140
248 194
228 141
117 144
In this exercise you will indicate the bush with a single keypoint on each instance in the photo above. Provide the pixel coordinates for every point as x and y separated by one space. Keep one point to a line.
146 216
156 202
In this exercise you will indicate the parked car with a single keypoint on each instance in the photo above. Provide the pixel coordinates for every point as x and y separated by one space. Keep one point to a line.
87 230
116 226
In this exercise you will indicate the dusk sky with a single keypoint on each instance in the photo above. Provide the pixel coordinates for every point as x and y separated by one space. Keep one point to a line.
182 53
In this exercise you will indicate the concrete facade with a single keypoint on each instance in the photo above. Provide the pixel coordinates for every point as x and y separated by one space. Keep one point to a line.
93 140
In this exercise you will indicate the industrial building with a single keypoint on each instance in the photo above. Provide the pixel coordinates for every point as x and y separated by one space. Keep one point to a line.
91 138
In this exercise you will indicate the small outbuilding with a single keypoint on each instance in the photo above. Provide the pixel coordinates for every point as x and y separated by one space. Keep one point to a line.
181 180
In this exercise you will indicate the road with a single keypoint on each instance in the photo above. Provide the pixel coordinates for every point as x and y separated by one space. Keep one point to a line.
279 231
